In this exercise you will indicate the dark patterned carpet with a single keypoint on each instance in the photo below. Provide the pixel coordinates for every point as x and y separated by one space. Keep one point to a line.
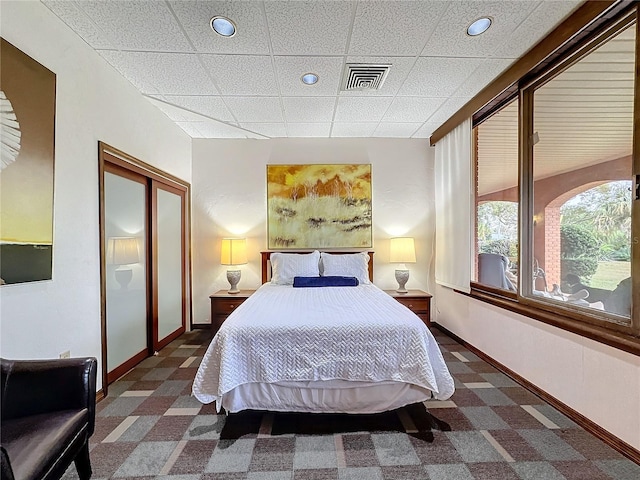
149 426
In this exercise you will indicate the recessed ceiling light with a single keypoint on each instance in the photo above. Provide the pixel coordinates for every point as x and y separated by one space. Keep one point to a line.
223 26
309 78
481 25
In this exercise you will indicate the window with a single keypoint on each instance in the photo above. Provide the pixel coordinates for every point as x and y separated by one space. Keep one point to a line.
556 181
496 182
580 181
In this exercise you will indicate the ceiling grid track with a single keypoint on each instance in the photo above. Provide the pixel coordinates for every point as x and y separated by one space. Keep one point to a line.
354 9
275 70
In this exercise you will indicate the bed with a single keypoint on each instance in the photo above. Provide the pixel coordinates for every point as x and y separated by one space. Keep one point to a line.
338 349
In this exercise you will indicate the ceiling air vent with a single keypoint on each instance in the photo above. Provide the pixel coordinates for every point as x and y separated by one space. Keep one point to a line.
363 76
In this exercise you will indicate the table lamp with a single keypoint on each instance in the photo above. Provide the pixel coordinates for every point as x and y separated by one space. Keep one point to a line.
123 251
233 252
402 250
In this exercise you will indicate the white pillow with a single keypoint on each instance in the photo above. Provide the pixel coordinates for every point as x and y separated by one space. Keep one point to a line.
347 265
285 266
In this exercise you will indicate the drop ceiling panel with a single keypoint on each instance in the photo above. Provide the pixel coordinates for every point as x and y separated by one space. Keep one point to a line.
537 25
449 106
394 28
138 25
450 37
308 109
210 106
401 130
251 36
190 129
412 109
70 14
353 129
255 109
309 28
426 130
488 70
361 109
136 72
267 129
308 129
220 130
166 73
177 114
291 69
437 76
242 74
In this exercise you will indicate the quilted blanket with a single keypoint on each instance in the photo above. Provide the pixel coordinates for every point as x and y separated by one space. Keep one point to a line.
282 333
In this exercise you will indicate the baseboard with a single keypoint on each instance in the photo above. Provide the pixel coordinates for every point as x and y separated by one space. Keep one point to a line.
203 326
120 370
607 437
99 395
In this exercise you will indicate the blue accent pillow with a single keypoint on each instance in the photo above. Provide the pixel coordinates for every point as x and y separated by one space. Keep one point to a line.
330 281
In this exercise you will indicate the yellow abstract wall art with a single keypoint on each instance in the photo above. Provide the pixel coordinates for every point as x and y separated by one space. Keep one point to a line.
319 206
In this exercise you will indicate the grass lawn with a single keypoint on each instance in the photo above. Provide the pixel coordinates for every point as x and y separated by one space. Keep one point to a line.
609 274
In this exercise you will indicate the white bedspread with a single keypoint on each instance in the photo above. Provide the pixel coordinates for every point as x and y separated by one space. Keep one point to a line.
282 334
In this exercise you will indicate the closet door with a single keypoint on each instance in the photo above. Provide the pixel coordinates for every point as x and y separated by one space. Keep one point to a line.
169 285
125 244
144 280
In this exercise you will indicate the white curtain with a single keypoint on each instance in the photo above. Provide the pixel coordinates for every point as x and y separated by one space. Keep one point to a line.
454 198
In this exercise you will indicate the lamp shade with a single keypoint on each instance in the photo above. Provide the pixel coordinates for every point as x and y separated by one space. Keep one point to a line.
233 251
402 250
122 251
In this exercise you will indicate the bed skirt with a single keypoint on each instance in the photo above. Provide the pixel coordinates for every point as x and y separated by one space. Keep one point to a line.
334 396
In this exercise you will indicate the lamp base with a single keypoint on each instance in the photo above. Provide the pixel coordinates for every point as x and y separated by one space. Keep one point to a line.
123 277
233 276
402 277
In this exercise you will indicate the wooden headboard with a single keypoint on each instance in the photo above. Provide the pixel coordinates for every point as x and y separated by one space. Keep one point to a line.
267 255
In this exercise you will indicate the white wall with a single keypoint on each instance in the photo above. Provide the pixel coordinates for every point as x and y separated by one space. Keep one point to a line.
43 319
600 382
230 191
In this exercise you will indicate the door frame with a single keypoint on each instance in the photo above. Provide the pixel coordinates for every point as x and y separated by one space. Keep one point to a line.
108 155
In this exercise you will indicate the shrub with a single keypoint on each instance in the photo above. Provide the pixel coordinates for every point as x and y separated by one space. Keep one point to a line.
582 267
577 242
579 252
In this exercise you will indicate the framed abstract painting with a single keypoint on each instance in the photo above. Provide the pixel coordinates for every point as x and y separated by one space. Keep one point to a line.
27 116
319 206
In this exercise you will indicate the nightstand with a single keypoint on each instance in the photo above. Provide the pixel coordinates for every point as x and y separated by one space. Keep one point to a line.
417 301
223 303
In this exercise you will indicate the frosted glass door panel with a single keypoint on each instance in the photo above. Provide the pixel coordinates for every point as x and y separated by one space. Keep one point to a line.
169 262
126 279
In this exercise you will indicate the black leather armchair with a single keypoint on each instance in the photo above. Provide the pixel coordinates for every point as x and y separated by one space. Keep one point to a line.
48 415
